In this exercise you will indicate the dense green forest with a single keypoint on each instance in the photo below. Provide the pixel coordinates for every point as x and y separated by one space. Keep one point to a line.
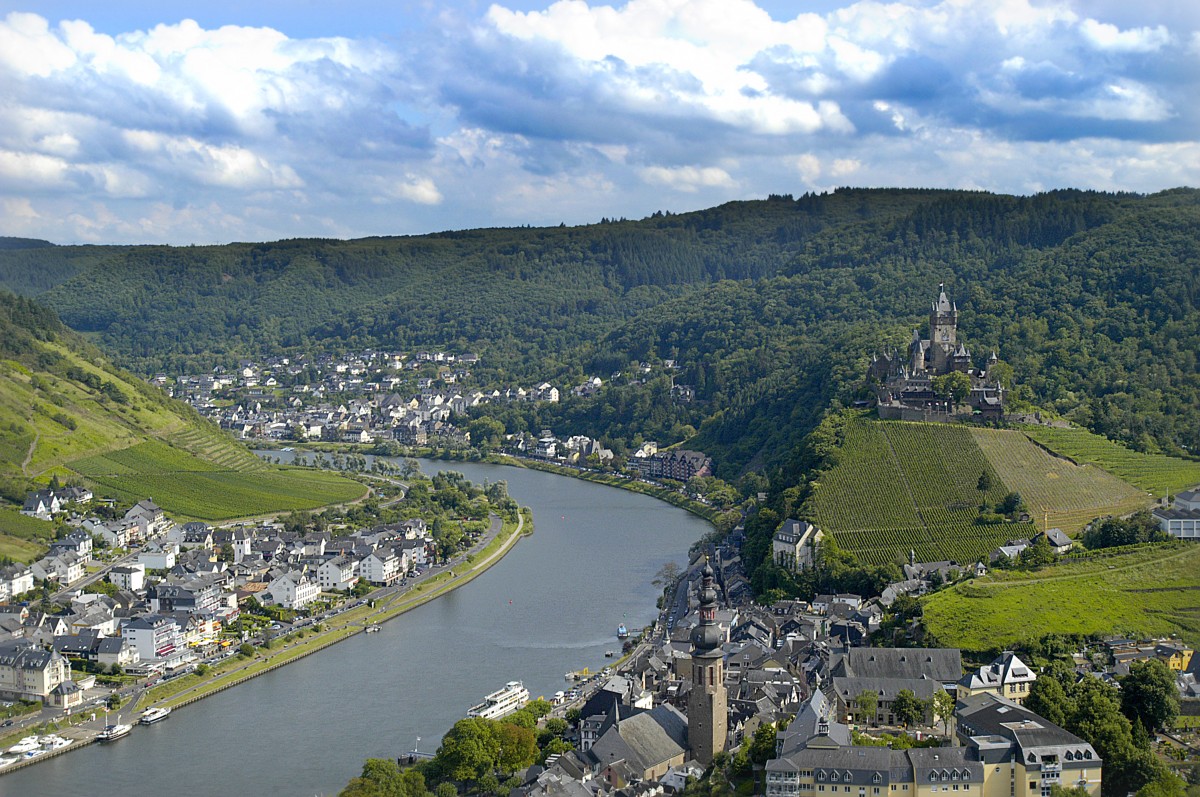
770 308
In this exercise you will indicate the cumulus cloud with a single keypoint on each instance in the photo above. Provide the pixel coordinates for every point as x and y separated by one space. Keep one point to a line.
688 178
578 110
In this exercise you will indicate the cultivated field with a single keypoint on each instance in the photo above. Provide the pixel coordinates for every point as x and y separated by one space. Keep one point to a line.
1066 495
1154 473
21 537
900 487
1139 592
187 486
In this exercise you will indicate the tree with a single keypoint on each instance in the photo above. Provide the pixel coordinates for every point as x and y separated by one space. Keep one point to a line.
469 749
985 482
1048 699
1068 791
943 709
1037 554
1148 694
955 386
518 747
867 702
1011 503
908 708
762 749
1168 785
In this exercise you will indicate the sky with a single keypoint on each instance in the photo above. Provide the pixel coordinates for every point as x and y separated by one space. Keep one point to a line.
186 122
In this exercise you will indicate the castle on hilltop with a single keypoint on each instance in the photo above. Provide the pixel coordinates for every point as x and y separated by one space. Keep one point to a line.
904 386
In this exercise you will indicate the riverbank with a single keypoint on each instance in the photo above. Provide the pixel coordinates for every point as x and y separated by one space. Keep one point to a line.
375 609
607 478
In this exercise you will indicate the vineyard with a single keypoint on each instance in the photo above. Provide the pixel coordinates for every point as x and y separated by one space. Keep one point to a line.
910 487
187 486
1062 494
23 538
1155 473
1148 591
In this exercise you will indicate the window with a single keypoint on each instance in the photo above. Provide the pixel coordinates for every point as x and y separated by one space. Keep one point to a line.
876 778
833 776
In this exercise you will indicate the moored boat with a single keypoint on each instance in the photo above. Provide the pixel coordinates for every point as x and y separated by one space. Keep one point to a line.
25 745
622 631
373 629
504 701
153 715
113 732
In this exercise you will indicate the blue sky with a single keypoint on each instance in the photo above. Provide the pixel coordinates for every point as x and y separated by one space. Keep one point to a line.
188 122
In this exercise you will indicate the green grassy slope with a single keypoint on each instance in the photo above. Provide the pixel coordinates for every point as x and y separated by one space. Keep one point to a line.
1144 592
65 411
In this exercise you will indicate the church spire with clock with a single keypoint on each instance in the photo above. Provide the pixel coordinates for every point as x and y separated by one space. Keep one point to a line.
708 719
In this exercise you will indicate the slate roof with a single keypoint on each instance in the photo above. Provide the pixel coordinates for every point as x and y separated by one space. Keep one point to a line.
938 664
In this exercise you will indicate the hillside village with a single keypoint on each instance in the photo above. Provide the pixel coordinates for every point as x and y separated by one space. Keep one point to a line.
367 396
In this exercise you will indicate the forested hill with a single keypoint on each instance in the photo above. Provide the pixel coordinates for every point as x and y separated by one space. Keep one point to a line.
771 307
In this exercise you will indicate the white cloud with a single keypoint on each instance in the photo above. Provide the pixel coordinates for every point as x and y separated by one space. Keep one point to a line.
1138 40
577 111
687 178
28 48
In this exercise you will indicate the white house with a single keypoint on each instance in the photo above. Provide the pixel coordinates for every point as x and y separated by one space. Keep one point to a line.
131 576
29 671
381 567
159 557
15 580
793 545
292 590
340 573
65 568
1183 519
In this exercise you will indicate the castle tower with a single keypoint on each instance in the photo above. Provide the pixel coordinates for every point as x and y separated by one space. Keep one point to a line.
708 715
943 321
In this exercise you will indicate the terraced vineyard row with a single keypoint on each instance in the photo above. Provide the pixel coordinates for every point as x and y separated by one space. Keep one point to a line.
214 447
909 488
219 495
1154 473
148 457
189 487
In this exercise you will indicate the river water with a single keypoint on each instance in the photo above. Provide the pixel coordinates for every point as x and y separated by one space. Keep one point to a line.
551 605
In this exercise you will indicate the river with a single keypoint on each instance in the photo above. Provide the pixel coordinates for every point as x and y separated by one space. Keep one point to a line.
551 605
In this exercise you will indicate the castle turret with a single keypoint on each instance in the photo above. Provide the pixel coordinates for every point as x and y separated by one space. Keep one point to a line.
916 352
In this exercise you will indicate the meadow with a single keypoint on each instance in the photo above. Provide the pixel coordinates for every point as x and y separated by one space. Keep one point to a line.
1155 473
1058 492
1141 592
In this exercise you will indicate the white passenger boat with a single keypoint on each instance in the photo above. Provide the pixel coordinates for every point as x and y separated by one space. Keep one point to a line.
153 715
504 701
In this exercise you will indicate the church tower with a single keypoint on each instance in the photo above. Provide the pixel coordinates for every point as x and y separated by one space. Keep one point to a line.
708 715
